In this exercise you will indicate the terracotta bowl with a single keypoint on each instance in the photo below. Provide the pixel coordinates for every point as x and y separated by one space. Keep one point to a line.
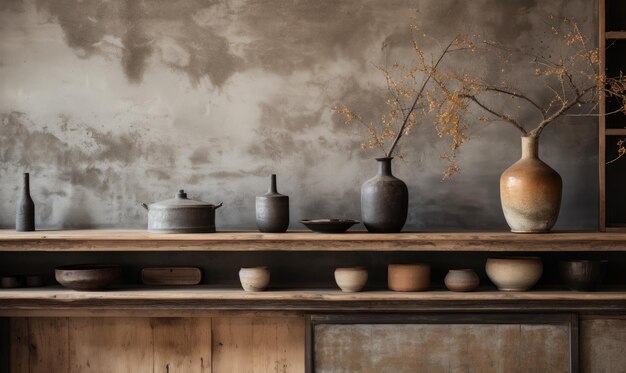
408 277
87 276
254 278
583 275
514 273
461 280
351 279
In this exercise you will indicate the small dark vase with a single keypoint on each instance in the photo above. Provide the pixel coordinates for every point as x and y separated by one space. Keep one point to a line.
384 200
272 210
25 213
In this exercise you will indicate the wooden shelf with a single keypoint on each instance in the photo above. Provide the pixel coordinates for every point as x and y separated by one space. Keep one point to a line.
615 34
207 298
615 132
135 240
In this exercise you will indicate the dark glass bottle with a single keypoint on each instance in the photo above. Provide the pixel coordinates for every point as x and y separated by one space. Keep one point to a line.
25 214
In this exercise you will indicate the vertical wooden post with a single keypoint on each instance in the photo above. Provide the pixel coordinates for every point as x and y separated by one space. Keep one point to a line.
601 117
4 344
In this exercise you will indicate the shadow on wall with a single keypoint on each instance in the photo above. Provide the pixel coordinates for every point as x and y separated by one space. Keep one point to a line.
109 104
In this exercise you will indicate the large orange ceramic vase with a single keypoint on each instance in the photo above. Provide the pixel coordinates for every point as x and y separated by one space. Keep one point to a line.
530 192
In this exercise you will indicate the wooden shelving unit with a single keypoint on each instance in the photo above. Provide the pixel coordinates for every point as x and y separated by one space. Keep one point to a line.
219 294
139 240
612 46
55 299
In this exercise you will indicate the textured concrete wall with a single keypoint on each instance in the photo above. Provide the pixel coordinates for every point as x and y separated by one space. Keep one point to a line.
108 103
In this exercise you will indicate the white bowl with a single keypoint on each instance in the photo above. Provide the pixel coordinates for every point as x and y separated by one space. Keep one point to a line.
254 278
351 279
514 273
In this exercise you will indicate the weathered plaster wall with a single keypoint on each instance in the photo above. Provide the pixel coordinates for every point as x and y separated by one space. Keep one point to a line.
108 103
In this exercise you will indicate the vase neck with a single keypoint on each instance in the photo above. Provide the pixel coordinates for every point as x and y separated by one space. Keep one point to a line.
384 166
272 188
530 147
26 184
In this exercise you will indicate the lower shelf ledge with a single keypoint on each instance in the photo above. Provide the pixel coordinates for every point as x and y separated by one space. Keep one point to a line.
22 302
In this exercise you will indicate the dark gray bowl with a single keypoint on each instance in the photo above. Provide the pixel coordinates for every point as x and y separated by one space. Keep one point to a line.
329 225
87 276
583 275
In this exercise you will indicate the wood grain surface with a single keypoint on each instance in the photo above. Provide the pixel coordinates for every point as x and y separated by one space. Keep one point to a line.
157 345
136 240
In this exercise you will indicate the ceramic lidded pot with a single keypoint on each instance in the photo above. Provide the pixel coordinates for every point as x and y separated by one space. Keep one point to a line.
461 280
181 215
351 279
408 277
254 278
514 273
530 192
272 210
583 275
384 200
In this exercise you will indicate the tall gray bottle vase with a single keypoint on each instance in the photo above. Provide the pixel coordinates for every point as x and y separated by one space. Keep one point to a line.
25 213
272 210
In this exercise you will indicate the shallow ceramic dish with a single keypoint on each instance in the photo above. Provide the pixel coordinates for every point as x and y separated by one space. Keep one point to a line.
87 276
583 275
514 273
329 225
351 279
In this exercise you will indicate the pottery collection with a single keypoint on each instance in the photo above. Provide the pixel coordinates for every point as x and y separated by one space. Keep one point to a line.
384 200
25 212
272 210
514 273
461 280
408 277
530 192
254 279
351 279
583 275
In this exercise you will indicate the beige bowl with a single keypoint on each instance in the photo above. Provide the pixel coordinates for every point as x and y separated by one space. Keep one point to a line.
351 279
408 277
514 273
254 278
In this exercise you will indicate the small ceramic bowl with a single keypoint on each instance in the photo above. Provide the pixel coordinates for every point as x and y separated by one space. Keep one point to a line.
461 280
583 275
254 278
351 279
8 282
408 277
514 273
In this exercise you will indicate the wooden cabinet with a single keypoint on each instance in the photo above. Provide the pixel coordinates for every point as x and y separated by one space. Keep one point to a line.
217 327
612 128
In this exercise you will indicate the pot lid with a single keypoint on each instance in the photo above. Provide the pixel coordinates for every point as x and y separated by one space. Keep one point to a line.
181 201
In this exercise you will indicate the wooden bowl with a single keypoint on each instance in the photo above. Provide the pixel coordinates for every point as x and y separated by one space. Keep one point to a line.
351 279
87 276
461 280
408 277
514 273
583 275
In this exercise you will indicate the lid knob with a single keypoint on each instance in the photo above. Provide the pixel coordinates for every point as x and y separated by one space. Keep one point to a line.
181 194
